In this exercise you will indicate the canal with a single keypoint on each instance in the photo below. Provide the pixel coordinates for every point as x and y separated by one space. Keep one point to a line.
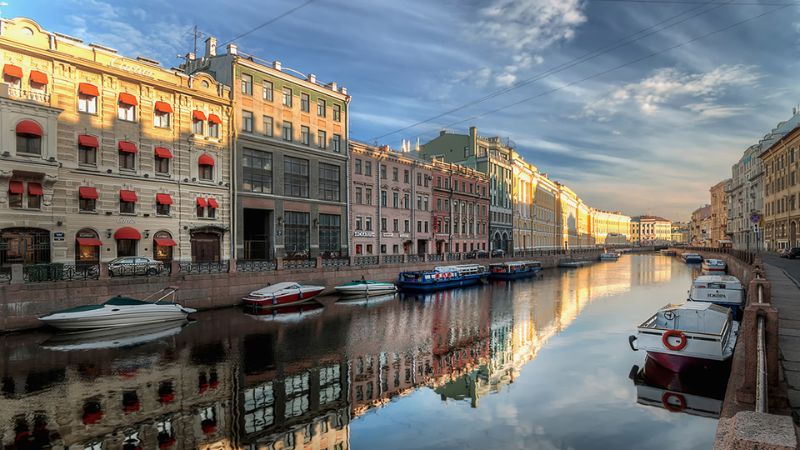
541 364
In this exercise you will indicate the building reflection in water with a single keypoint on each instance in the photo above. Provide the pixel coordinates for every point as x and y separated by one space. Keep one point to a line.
231 381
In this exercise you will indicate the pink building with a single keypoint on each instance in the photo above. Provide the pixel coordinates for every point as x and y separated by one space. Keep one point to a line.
460 208
390 202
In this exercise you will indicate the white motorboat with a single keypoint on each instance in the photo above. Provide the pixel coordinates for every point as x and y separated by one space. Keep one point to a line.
609 256
106 338
366 288
723 290
714 265
694 334
692 258
282 294
120 311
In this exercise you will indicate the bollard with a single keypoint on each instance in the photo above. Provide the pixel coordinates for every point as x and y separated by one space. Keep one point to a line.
174 268
104 275
278 263
232 266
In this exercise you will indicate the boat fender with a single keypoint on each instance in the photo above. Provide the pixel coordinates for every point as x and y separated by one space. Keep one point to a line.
631 340
672 407
634 372
674 333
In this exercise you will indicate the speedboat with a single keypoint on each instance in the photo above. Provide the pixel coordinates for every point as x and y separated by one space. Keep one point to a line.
691 335
609 256
714 265
282 294
121 311
513 270
691 258
723 290
366 288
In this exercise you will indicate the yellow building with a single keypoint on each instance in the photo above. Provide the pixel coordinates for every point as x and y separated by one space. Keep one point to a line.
568 217
105 156
719 214
651 230
546 209
610 228
782 193
523 191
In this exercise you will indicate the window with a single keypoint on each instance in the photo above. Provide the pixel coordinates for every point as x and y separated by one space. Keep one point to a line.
383 171
359 223
383 199
407 201
407 226
295 178
267 91
368 168
212 208
127 202
205 170
287 97
406 176
87 204
162 209
213 126
329 231
126 112
267 124
87 155
337 113
87 98
321 107
322 139
359 251
357 166
197 126
384 222
247 121
369 196
305 135
286 131
337 143
304 106
395 172
419 226
369 252
395 225
162 157
328 182
29 138
359 197
396 250
161 120
247 84
383 248
395 200
368 223
297 234
257 171
127 160
419 179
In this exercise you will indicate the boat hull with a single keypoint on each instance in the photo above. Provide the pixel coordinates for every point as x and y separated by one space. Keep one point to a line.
437 285
366 290
292 298
117 316
512 275
682 363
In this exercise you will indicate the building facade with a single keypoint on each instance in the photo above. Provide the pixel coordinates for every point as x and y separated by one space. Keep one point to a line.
523 190
680 233
781 163
610 228
460 208
719 213
106 156
546 213
291 131
700 226
492 156
651 230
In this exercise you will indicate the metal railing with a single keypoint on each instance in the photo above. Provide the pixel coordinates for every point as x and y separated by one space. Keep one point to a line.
431 257
335 262
745 256
205 267
415 258
761 363
365 261
255 265
392 259
293 264
38 273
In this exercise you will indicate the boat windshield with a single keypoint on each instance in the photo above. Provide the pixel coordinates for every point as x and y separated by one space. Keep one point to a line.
125 301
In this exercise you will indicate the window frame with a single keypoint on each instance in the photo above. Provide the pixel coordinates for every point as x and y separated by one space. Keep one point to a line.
296 184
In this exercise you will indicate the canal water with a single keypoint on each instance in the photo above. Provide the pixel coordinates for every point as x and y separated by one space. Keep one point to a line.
530 364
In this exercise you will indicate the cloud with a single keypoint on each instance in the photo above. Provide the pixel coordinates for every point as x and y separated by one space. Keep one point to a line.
530 24
668 85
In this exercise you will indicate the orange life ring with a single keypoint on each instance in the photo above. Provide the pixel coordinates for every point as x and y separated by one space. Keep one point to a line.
665 400
674 333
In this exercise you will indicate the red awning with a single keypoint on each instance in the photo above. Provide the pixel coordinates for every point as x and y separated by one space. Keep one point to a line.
201 202
89 242
212 202
198 115
165 242
163 107
128 196
213 118
163 152
86 140
16 187
163 199
29 127
205 160
87 192
127 233
127 99
38 77
35 189
127 147
88 89
12 71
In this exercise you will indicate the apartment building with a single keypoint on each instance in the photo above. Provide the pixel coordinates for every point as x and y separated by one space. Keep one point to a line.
460 208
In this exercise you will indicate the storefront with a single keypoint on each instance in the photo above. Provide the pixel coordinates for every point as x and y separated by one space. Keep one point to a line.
87 247
127 241
162 246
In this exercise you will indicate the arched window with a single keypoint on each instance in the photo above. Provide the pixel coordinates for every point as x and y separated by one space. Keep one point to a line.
87 247
162 246
29 138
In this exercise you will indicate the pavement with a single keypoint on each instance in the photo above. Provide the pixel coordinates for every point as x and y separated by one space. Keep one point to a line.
784 278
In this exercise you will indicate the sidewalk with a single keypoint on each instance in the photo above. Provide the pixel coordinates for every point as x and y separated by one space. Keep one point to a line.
786 298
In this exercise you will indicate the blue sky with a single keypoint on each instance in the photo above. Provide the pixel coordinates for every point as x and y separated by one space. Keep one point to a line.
646 125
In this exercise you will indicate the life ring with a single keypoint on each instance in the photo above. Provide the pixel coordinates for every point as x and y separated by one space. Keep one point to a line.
665 400
674 333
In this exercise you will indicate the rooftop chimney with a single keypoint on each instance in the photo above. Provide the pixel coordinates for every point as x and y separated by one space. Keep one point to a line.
332 85
232 50
343 90
311 78
276 65
211 47
190 56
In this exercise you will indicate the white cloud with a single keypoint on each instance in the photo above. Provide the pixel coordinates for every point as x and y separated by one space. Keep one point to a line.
505 79
530 24
671 85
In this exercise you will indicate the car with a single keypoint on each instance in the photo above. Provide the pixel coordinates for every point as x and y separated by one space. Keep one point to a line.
792 253
476 254
784 253
134 265
498 253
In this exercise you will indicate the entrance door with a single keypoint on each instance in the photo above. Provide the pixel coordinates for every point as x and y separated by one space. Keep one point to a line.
24 246
257 234
205 247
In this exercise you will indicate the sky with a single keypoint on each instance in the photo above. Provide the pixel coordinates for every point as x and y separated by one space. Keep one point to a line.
638 105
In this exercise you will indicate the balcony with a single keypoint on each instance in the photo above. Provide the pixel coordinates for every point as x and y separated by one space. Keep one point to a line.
9 91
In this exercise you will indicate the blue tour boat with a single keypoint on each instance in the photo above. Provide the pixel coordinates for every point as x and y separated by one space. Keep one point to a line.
513 270
443 277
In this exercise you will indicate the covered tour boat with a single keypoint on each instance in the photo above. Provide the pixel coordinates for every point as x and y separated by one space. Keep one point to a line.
691 258
723 290
714 265
121 311
443 277
514 270
573 264
366 288
282 294
695 334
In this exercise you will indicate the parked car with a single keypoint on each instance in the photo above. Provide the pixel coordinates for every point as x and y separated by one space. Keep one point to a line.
134 265
791 253
476 254
498 253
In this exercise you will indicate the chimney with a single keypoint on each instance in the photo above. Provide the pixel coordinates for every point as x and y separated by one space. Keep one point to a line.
276 65
311 78
332 85
211 47
442 132
232 49
343 90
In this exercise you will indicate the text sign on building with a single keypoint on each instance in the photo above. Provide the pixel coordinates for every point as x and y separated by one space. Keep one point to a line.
364 233
58 236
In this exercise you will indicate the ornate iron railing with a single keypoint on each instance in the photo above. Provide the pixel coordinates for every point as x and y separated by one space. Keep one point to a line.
255 266
366 260
415 258
205 267
335 262
453 257
393 259
434 257
38 273
292 264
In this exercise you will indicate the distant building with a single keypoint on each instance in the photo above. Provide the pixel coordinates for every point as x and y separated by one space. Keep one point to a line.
651 230
680 233
610 228
781 163
700 226
719 214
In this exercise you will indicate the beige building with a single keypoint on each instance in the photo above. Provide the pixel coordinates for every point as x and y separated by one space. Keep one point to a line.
610 228
680 232
651 230
782 193
719 214
546 214
105 156
523 191
700 226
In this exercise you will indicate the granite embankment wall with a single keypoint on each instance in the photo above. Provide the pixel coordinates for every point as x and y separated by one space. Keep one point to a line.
21 304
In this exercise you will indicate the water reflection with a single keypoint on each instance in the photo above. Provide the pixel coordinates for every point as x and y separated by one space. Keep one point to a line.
233 381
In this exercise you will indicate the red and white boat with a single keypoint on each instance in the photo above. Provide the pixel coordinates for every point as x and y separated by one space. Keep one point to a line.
691 335
282 294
